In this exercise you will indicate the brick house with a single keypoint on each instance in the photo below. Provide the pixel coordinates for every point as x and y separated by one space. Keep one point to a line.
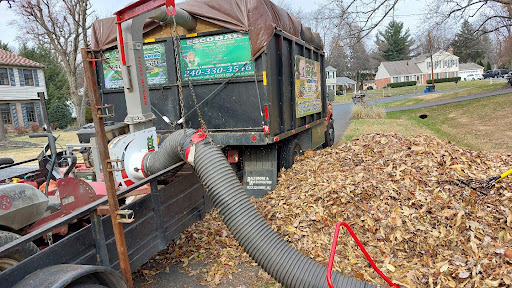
20 81
419 69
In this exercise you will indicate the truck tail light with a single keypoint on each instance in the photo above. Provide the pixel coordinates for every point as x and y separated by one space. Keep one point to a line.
266 129
233 156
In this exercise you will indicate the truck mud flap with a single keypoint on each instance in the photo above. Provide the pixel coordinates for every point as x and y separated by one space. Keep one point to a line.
260 170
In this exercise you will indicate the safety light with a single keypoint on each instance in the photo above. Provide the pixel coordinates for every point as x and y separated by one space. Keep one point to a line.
233 156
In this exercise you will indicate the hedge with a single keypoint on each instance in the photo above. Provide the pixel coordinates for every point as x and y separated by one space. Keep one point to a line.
441 80
402 84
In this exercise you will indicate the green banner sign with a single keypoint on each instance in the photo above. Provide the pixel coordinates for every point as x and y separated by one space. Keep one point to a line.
156 66
216 56
308 89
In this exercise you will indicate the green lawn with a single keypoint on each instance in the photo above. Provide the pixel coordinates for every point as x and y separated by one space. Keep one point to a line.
479 124
467 88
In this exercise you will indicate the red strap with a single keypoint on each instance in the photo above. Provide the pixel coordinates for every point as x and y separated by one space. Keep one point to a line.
170 3
198 136
333 251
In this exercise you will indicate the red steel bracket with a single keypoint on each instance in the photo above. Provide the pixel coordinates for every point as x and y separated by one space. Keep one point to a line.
333 252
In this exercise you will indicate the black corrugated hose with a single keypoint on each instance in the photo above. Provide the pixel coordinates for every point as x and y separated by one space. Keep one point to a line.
284 263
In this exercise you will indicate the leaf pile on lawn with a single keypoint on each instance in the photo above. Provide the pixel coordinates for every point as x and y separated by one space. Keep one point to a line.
416 204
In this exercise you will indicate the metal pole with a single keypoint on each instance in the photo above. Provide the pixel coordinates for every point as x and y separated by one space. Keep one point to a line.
44 112
431 57
101 142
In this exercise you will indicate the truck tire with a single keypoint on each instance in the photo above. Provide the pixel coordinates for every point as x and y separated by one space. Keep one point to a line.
85 285
288 152
15 256
73 276
329 134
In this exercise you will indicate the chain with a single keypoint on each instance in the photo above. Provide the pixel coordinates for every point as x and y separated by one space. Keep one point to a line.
178 69
203 124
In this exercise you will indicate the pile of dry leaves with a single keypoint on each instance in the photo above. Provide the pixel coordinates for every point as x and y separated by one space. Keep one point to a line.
416 203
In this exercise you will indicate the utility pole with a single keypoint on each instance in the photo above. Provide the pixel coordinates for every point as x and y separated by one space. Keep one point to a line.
431 58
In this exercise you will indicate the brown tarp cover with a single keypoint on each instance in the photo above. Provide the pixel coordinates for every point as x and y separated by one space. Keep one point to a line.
258 17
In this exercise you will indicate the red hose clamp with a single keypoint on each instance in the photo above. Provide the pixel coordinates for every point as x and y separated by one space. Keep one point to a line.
333 252
190 149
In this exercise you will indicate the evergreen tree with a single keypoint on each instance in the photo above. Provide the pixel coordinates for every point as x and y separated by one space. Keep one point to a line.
479 62
467 45
488 66
55 79
394 44
5 46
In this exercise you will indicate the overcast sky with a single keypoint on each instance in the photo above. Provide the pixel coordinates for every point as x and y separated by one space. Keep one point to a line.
105 8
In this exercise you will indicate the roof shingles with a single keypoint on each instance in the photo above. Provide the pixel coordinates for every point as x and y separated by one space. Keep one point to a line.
10 59
404 67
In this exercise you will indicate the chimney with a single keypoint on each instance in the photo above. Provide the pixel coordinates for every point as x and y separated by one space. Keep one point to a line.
450 50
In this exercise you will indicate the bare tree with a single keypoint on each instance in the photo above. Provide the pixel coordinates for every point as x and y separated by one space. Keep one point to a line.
62 24
492 15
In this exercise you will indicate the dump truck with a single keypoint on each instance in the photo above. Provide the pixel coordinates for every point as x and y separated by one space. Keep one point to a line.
274 109
259 90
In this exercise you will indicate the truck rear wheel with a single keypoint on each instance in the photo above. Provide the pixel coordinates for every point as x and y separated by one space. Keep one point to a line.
329 134
15 256
288 152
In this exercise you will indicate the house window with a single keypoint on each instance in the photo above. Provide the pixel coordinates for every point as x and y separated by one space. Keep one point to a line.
429 76
445 74
395 79
6 113
407 78
4 76
29 77
31 113
429 64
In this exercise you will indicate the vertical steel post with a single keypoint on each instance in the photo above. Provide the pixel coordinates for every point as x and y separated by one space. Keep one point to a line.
44 111
101 143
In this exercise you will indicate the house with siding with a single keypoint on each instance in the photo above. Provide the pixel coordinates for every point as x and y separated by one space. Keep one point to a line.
419 69
20 81
330 79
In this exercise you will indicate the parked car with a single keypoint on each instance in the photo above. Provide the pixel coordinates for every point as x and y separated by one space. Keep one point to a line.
488 74
500 73
473 77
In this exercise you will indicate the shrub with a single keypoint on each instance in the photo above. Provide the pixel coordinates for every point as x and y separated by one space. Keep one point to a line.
20 131
88 114
442 80
402 84
60 114
34 128
367 112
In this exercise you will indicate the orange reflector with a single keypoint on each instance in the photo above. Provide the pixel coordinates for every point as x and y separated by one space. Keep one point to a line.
233 156
266 129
